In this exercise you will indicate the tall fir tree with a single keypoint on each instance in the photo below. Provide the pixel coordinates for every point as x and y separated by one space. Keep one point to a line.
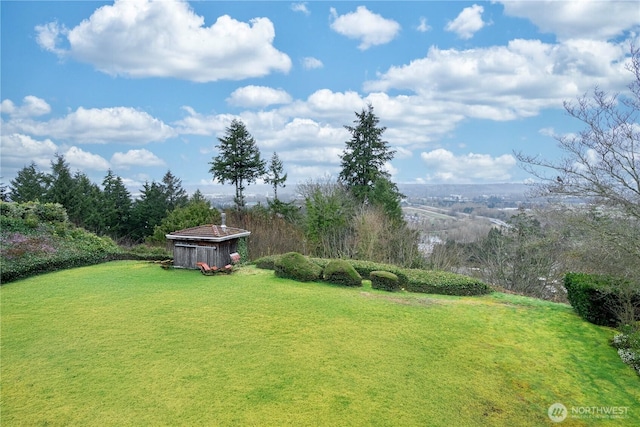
274 175
365 155
84 208
29 185
116 206
148 211
238 161
175 194
61 182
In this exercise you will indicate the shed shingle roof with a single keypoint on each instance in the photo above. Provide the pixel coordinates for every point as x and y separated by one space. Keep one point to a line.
209 232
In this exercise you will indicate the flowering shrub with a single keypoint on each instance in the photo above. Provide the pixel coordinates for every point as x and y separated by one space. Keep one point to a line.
16 245
37 238
628 345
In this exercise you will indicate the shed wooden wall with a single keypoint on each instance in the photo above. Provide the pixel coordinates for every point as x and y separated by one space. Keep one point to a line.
187 253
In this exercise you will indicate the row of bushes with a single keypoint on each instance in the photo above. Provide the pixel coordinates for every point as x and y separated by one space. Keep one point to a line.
383 276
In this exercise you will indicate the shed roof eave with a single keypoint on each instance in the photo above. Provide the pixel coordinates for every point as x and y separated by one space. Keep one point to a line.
207 239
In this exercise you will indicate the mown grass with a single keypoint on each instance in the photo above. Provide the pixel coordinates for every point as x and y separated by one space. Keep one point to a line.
127 343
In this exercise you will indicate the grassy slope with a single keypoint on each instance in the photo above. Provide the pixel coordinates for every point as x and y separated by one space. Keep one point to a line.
128 343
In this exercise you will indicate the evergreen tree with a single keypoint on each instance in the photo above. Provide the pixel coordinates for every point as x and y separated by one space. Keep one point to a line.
175 194
385 194
29 185
84 208
116 206
238 160
274 174
61 183
148 211
4 192
197 197
193 214
365 155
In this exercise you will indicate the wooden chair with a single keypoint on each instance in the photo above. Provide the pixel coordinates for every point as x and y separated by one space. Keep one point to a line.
205 269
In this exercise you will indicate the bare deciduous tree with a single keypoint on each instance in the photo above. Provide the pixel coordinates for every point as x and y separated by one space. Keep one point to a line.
602 167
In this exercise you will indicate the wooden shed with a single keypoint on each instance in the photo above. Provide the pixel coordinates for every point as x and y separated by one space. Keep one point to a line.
211 244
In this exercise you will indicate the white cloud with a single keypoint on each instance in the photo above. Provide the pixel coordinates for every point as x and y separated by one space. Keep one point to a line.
370 28
310 63
508 82
32 106
548 131
468 22
165 38
200 124
49 35
258 96
300 7
136 158
95 126
423 27
578 19
20 150
327 101
82 160
444 166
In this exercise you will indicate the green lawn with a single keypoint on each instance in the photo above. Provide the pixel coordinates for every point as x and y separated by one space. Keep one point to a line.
128 343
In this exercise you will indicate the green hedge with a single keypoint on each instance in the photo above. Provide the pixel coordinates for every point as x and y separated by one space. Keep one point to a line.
444 283
594 297
385 281
296 266
412 280
340 272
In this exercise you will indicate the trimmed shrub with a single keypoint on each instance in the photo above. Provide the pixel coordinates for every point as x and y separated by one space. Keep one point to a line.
267 262
296 266
594 297
444 283
364 268
342 273
385 281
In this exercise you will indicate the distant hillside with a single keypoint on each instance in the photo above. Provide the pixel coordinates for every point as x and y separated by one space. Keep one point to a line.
465 190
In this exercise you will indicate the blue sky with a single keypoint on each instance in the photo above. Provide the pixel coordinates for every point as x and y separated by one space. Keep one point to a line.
141 87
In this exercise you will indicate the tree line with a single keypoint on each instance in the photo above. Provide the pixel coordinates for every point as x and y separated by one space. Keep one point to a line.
108 209
356 215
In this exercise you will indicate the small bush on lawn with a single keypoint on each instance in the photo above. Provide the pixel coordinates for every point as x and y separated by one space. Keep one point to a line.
267 262
444 283
595 297
340 272
628 345
364 268
296 266
385 281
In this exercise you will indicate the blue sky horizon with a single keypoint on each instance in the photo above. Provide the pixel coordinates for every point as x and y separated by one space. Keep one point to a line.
141 87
